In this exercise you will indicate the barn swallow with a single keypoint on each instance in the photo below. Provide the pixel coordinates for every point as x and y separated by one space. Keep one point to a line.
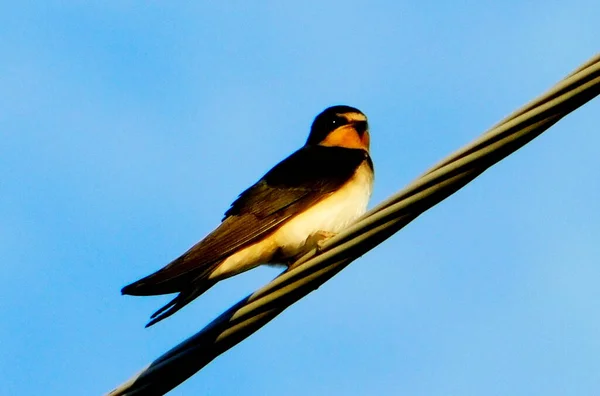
311 195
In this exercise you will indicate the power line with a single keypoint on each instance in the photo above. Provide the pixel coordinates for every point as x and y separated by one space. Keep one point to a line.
314 269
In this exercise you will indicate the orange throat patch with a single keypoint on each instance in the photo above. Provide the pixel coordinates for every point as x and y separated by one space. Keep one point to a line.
347 137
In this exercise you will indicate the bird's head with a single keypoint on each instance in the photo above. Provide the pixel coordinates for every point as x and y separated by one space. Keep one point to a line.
340 126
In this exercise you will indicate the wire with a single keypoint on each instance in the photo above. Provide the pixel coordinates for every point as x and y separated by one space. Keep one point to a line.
387 218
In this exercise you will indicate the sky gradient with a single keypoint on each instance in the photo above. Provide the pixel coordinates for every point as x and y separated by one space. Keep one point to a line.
127 128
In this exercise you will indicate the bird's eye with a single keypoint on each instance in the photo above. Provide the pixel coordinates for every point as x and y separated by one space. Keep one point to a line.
339 121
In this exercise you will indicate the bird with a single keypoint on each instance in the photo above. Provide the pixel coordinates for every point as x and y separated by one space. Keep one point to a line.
310 196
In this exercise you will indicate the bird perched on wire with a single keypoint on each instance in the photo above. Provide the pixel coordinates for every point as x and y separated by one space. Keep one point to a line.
306 198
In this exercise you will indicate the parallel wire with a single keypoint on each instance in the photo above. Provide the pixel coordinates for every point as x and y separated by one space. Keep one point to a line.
387 218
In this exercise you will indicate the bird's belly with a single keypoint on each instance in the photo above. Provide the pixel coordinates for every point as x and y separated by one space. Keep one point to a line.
292 239
332 215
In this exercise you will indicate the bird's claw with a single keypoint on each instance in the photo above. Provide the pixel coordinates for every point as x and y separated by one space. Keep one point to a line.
322 237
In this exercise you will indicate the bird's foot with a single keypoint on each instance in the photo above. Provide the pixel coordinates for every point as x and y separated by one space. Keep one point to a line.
315 241
321 237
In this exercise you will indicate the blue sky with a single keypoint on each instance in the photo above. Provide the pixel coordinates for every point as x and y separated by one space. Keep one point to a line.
127 128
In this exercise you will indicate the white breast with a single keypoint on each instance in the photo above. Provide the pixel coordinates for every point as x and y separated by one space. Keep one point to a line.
333 214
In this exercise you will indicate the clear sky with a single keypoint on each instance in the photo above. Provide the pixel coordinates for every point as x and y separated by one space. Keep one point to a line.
128 127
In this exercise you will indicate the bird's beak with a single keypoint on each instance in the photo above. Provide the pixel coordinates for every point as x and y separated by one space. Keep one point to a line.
361 127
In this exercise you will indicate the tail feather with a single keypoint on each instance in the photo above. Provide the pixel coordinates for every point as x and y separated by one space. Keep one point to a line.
183 298
172 278
160 282
145 288
189 286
